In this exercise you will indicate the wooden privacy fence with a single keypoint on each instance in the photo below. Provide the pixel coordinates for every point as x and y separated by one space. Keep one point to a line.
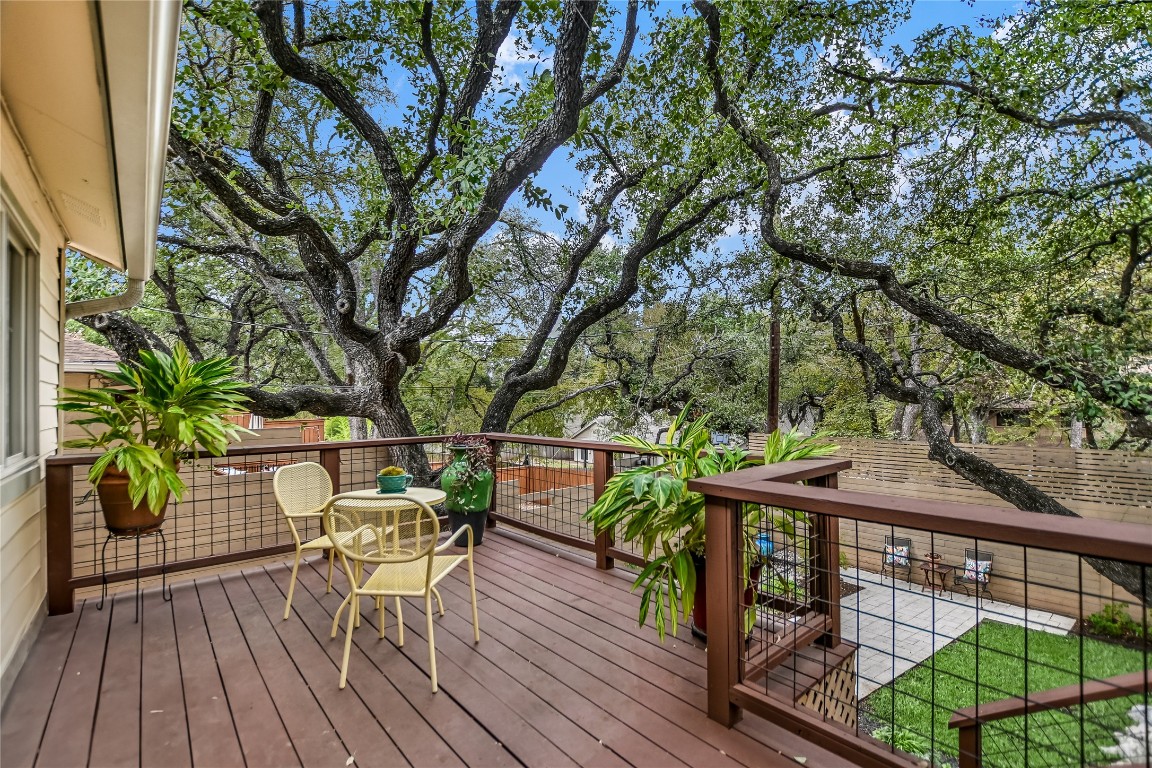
1097 485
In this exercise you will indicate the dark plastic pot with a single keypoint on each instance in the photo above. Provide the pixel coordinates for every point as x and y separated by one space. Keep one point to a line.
477 521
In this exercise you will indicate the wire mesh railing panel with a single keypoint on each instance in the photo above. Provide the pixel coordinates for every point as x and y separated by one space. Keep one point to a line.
930 625
228 507
546 488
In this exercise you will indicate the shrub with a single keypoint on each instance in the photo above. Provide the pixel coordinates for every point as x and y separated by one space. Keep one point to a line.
1113 620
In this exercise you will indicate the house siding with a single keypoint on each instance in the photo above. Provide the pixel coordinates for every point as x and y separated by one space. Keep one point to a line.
23 586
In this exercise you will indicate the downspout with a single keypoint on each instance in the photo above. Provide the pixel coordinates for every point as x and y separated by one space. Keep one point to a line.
133 292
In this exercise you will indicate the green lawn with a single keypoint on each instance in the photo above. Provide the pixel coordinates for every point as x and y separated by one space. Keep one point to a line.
1053 738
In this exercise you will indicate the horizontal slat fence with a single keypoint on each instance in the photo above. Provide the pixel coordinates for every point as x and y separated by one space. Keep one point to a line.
1098 485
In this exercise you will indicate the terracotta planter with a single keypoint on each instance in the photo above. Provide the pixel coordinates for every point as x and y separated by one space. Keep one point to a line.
120 516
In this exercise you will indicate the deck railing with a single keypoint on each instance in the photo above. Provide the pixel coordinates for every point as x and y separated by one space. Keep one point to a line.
229 513
803 627
899 670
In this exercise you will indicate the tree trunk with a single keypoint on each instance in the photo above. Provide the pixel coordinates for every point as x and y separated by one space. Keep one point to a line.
1076 433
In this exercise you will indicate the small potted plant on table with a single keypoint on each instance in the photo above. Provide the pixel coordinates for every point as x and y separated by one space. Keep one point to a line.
467 481
393 480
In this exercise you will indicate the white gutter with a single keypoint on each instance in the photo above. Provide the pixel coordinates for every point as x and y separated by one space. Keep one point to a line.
133 292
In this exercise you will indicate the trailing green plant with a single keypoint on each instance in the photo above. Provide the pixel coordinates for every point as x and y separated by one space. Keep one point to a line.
1113 620
904 740
155 411
479 456
652 505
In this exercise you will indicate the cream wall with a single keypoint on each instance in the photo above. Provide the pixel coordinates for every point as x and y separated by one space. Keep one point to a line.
23 586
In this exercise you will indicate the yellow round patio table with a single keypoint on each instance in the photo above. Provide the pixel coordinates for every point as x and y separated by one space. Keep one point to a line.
430 496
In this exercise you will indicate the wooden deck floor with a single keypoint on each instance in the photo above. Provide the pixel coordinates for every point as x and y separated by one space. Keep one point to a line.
562 677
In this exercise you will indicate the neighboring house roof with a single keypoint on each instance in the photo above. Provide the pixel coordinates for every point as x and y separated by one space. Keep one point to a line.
83 356
88 87
594 429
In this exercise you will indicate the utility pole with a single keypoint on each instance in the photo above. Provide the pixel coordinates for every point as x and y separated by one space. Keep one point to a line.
772 423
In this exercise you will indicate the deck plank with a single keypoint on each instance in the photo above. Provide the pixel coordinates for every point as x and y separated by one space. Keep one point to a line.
263 735
116 734
24 716
555 711
68 734
616 605
211 732
313 737
680 703
452 723
684 725
362 735
414 736
163 719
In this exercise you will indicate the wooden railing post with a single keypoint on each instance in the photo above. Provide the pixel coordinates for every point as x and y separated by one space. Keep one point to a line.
826 564
494 463
58 541
970 747
722 541
601 474
330 460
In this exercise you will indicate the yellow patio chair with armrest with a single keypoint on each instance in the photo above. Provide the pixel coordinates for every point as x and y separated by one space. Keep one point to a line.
399 537
302 491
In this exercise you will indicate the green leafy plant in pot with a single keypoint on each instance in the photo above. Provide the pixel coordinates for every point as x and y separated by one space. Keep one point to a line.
653 506
155 411
467 482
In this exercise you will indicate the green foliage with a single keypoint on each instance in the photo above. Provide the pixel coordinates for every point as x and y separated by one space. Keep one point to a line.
652 505
156 410
336 428
904 740
391 472
1113 620
1010 657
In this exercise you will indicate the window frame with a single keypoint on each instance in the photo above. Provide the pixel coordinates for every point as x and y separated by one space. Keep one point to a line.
20 470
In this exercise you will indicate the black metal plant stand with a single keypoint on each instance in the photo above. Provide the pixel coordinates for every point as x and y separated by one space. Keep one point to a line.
165 590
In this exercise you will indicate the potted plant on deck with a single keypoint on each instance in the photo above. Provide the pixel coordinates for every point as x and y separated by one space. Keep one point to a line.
155 411
467 482
652 505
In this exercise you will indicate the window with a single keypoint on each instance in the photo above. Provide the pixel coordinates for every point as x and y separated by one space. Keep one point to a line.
19 312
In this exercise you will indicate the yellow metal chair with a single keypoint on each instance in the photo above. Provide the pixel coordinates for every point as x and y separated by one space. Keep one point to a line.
302 491
398 535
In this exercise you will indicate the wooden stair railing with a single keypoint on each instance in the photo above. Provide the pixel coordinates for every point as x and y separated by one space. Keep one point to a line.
970 719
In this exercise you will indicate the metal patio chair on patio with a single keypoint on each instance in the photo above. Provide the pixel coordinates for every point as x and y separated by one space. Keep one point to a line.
897 555
975 572
302 491
398 535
